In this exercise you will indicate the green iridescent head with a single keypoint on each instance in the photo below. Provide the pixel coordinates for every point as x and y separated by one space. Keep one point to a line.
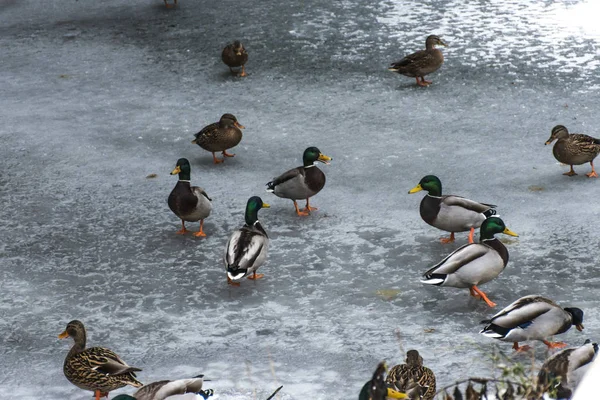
254 204
491 226
312 155
183 169
431 184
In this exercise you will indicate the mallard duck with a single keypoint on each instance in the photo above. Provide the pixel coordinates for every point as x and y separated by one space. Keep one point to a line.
412 376
96 368
376 389
450 213
532 318
301 182
562 371
247 248
190 203
168 5
220 136
574 149
164 389
423 62
235 55
475 263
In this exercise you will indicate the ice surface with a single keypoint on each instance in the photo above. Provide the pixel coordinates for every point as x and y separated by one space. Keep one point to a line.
98 95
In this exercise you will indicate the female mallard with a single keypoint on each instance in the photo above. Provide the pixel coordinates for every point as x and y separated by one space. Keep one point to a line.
450 213
301 182
220 136
163 389
475 263
562 371
235 55
423 62
376 389
574 149
532 318
190 203
247 248
413 377
97 369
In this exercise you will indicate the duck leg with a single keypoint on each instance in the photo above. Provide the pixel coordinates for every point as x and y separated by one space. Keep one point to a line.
216 160
182 231
167 5
243 71
471 235
474 293
425 82
308 208
448 240
554 345
520 348
483 296
256 276
200 232
420 83
592 174
571 172
232 283
300 213
226 154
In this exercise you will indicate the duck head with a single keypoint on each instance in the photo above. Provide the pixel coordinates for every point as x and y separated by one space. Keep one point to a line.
183 169
577 316
558 132
434 40
431 184
228 120
494 225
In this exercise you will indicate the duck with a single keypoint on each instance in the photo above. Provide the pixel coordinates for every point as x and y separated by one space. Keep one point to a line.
97 369
412 376
220 136
168 5
574 149
376 389
423 62
450 213
474 263
563 370
247 247
532 317
301 182
235 55
189 203
164 389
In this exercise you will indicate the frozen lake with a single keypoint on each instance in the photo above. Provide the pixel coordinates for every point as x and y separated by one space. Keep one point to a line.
98 95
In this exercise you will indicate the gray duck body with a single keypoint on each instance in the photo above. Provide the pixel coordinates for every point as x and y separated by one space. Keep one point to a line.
189 203
298 183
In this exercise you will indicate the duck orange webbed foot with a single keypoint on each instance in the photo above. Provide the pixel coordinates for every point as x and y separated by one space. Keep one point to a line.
571 172
182 231
255 276
216 160
302 213
449 239
554 345
226 154
521 349
232 283
592 174
199 234
483 296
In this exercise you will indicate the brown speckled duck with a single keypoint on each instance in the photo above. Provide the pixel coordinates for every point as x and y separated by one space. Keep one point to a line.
423 62
235 55
302 182
96 368
189 203
220 136
574 149
413 377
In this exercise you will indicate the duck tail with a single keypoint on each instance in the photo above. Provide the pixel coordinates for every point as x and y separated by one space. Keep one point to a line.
434 279
206 393
494 331
491 213
271 187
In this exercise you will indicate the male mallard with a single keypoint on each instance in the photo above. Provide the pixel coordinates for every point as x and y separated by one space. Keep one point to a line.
235 55
574 149
475 263
413 376
423 62
301 182
190 203
532 318
167 5
561 372
376 389
247 248
163 389
96 368
450 213
220 136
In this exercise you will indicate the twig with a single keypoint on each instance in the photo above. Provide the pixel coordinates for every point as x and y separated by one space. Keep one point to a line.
275 392
272 366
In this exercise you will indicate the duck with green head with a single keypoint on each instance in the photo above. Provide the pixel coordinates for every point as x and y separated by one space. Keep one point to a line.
162 390
220 136
574 149
450 213
423 62
475 263
376 388
247 247
301 182
189 203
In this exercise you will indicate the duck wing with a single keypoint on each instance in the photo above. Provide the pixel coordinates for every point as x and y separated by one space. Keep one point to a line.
107 361
162 389
522 311
286 176
452 200
458 258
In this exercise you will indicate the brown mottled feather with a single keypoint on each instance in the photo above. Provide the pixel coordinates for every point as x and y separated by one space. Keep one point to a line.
231 59
413 376
215 137
422 62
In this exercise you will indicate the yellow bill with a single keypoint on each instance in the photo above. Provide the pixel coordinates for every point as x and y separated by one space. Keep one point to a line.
416 189
265 205
324 159
176 170
509 232
392 394
239 125
63 335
